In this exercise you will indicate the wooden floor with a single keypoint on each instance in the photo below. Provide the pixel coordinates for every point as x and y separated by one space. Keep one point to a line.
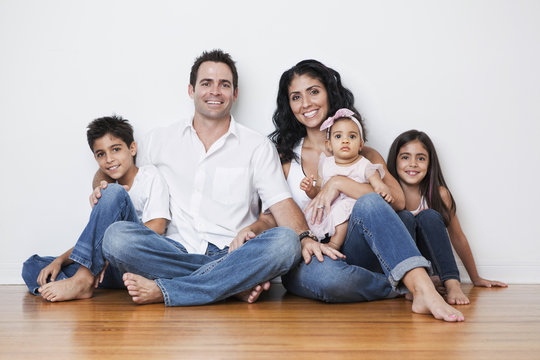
500 324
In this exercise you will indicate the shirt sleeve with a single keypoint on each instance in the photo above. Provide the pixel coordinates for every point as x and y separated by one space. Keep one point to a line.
268 175
157 202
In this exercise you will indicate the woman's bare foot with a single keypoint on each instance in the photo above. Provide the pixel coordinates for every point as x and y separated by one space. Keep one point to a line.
142 290
426 300
79 286
454 294
250 296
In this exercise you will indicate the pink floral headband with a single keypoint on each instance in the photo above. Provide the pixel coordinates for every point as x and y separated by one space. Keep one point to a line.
341 113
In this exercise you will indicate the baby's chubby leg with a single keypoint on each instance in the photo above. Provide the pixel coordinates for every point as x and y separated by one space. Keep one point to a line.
337 240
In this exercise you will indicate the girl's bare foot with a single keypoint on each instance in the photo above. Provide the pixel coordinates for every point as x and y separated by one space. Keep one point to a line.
79 286
142 290
250 296
454 294
426 300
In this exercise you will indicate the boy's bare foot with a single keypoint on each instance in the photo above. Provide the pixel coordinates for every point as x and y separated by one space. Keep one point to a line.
250 296
426 300
79 286
454 294
142 290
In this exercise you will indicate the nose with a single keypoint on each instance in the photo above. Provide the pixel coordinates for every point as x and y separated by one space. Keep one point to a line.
215 90
306 101
109 157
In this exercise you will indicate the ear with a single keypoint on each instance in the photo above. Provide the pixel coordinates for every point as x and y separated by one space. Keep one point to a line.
190 90
361 145
235 94
133 148
328 147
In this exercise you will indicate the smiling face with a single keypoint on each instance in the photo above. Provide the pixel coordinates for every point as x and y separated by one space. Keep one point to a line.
308 100
345 141
412 163
213 94
115 158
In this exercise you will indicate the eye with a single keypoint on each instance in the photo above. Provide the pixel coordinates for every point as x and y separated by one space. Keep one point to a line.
295 97
352 136
205 83
422 158
314 91
226 85
337 136
404 157
99 154
116 149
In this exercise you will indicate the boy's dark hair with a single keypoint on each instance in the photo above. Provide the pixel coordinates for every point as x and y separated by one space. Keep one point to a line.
114 125
215 55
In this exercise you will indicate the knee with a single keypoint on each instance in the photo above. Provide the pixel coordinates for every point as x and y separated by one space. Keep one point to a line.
285 244
429 216
369 202
114 239
112 194
406 217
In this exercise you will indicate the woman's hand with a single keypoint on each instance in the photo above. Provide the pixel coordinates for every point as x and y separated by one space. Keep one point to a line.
311 247
328 193
481 282
52 270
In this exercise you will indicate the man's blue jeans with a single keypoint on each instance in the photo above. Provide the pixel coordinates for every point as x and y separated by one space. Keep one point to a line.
196 279
379 253
428 230
114 205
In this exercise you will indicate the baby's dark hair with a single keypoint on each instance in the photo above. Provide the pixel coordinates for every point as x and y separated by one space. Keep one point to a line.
114 125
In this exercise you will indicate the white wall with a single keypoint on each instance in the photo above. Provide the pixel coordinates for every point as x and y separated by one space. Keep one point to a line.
466 72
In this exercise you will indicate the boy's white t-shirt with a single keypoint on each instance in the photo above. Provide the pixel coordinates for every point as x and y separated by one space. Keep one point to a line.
150 194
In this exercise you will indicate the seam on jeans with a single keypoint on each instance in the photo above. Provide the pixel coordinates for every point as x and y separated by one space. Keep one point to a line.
212 265
166 297
373 246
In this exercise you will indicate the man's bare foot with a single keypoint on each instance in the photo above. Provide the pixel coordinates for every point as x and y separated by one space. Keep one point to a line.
455 295
426 300
142 290
79 286
250 296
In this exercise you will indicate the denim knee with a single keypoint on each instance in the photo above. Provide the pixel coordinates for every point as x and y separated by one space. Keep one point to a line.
114 238
112 194
284 246
409 220
429 216
368 202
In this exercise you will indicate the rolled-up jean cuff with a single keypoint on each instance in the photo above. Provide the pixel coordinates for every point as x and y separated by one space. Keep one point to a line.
399 271
166 299
449 277
87 264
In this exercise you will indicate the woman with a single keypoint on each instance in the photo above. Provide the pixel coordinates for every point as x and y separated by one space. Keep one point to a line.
381 260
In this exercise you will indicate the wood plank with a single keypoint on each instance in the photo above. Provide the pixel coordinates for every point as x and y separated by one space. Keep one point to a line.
500 324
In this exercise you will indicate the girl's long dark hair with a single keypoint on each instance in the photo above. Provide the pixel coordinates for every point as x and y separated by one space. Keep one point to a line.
434 179
288 130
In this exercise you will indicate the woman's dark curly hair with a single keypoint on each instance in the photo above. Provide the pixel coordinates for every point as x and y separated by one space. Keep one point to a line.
288 130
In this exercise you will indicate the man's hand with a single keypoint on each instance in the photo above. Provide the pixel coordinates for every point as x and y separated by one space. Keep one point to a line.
311 247
244 235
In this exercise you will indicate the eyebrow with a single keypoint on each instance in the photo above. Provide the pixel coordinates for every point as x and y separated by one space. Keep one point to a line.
309 88
114 145
407 153
211 80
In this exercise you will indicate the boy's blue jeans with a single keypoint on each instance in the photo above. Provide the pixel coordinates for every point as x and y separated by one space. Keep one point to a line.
379 252
114 205
429 231
196 279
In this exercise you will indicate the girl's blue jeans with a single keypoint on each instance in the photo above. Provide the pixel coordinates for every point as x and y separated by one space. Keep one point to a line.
114 205
379 252
428 230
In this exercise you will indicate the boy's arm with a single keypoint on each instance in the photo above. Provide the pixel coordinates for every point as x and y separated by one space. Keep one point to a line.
158 225
53 269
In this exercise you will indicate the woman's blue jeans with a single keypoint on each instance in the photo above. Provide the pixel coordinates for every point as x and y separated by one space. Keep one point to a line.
428 230
196 279
379 253
114 205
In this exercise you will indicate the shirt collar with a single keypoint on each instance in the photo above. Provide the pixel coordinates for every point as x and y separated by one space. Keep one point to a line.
233 127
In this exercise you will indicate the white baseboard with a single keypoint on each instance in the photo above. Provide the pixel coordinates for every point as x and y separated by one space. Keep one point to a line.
10 273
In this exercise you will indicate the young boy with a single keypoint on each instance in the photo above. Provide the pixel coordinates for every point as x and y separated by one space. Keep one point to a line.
75 274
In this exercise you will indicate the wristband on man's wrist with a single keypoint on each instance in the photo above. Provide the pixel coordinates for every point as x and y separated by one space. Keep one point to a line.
308 234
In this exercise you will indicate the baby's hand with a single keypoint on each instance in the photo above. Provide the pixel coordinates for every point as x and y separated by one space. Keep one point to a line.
384 191
307 183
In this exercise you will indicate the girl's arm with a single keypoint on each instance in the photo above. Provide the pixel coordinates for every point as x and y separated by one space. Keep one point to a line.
461 245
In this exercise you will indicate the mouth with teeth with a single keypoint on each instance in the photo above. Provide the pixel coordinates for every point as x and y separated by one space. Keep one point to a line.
113 168
310 114
214 102
411 172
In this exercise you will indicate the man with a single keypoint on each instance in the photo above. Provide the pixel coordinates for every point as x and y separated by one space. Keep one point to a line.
217 171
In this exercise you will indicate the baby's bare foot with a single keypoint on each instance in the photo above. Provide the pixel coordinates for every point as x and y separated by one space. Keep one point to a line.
252 295
142 290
